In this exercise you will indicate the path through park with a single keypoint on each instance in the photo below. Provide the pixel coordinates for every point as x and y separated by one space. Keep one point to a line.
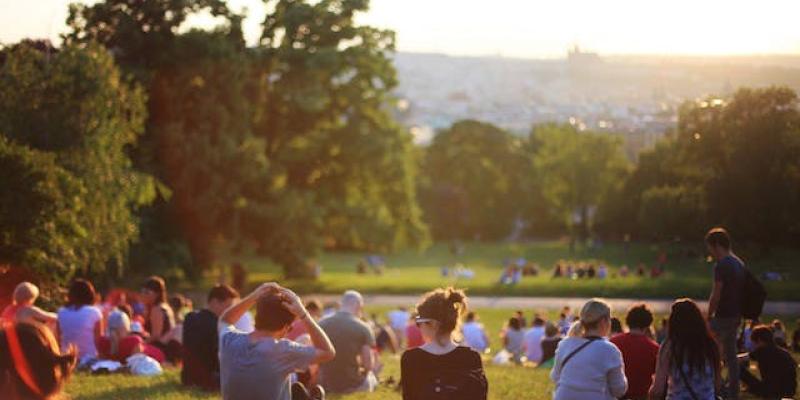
555 303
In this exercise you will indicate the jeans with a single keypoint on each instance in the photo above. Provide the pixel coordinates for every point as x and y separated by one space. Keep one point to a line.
726 330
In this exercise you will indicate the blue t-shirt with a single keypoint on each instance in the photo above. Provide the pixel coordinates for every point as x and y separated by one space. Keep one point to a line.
258 370
730 272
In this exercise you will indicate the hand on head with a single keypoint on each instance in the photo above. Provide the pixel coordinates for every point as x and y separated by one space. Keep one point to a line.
292 302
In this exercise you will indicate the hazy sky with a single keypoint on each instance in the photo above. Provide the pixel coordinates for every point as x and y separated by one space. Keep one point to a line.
525 28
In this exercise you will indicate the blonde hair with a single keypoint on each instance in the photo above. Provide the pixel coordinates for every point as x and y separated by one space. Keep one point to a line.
592 312
25 292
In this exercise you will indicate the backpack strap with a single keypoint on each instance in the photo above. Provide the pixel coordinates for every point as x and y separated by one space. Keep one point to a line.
576 351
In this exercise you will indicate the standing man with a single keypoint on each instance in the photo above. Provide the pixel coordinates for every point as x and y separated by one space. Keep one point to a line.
724 304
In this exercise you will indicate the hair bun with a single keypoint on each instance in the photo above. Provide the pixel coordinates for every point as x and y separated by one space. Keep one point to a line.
455 296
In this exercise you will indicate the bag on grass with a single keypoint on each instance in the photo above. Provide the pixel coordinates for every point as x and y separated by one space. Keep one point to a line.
140 364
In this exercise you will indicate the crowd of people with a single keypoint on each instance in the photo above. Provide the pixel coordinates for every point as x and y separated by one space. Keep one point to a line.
291 349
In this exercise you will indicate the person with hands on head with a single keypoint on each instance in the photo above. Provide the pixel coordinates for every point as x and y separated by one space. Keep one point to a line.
257 365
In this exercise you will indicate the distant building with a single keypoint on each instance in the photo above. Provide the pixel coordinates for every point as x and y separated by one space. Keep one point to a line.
578 58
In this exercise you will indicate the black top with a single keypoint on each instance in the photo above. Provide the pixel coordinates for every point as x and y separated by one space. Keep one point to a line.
730 271
549 346
778 369
200 345
422 373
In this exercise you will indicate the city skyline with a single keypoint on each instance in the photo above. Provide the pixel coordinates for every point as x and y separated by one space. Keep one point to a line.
519 29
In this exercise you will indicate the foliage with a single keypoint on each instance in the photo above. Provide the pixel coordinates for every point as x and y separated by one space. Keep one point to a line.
288 145
74 108
576 171
39 228
733 162
473 172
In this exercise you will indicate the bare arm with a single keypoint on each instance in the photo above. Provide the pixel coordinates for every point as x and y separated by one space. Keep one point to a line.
156 324
325 351
366 357
713 300
42 316
234 312
659 388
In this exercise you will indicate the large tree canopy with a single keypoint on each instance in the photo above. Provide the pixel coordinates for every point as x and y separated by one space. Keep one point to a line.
287 145
68 119
472 181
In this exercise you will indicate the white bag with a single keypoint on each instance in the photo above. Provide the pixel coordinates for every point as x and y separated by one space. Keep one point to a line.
140 364
503 357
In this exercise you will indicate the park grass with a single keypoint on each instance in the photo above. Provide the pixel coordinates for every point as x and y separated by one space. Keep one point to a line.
505 382
414 272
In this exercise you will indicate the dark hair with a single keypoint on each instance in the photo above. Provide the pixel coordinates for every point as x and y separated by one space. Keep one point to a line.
692 341
222 293
445 306
177 302
50 368
81 293
616 325
514 323
763 334
156 284
718 237
470 316
538 321
271 313
313 305
639 317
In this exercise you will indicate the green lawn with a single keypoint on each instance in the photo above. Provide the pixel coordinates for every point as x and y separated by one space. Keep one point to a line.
505 382
411 272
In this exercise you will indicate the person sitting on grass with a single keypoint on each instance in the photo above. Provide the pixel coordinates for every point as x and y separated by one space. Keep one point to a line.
587 365
552 337
80 322
689 361
532 342
474 333
353 369
121 343
201 340
159 318
31 364
513 337
441 369
776 366
22 308
258 365
639 352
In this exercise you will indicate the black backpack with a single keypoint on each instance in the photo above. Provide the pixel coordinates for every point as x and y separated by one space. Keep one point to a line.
452 384
753 296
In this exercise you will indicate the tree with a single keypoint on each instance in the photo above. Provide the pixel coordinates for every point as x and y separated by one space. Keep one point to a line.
473 190
576 171
300 149
45 235
73 108
748 146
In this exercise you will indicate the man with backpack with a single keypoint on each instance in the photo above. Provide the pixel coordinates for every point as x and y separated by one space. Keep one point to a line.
725 302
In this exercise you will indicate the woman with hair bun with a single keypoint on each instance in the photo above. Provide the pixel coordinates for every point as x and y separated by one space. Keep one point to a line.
588 366
31 365
441 369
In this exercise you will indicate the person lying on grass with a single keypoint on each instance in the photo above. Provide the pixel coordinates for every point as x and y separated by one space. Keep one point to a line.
258 365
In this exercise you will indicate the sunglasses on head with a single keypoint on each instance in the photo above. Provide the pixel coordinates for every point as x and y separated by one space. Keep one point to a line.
420 321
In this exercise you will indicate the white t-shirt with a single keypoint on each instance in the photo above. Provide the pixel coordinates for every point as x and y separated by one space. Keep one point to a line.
596 372
398 319
533 343
77 328
474 336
